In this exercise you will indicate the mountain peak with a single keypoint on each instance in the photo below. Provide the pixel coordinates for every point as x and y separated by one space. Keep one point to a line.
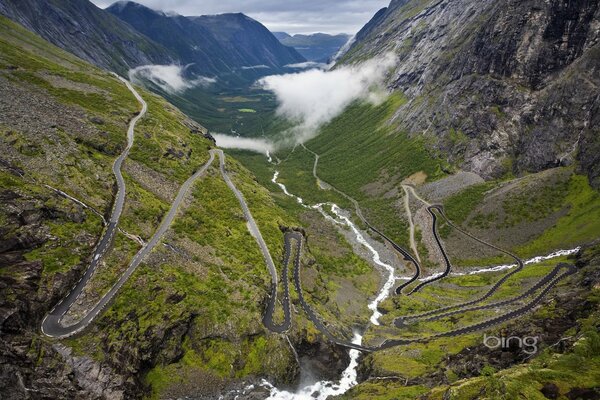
127 5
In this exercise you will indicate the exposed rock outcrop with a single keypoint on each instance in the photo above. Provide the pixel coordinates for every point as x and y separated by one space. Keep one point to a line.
497 85
31 367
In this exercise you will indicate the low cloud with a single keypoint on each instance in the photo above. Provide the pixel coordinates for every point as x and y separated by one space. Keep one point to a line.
169 78
307 65
344 49
313 98
236 142
261 66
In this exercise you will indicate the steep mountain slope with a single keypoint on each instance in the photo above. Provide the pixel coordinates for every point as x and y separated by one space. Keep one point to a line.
319 47
83 29
497 86
188 321
233 49
281 35
216 44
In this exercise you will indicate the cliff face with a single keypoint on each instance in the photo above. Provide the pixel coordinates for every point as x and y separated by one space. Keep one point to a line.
498 86
85 30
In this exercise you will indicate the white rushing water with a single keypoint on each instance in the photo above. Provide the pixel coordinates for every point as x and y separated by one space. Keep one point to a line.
498 268
284 189
342 219
385 290
321 390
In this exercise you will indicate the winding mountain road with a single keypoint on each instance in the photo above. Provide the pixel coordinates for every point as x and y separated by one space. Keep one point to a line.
411 224
544 285
293 243
51 325
405 254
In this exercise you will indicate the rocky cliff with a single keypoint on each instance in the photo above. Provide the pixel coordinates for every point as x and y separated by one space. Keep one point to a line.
83 29
497 86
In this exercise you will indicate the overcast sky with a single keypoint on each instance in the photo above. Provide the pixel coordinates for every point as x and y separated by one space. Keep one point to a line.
292 16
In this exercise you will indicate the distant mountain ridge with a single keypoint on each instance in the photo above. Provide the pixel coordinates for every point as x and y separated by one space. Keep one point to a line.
128 35
216 44
87 31
319 47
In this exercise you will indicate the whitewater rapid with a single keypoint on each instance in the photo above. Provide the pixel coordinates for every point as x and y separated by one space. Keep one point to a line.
321 390
499 268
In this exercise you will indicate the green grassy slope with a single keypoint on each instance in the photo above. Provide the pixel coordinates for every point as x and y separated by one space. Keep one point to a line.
195 303
566 361
367 157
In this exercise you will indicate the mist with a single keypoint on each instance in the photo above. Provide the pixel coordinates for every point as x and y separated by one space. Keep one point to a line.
236 142
169 78
312 98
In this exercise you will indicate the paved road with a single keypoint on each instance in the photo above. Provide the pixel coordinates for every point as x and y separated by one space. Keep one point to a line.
461 308
411 225
442 249
489 293
297 237
405 254
51 325
546 283
508 316
252 227
270 311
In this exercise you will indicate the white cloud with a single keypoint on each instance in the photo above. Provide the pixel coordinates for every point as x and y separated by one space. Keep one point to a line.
236 142
168 77
307 64
261 66
312 98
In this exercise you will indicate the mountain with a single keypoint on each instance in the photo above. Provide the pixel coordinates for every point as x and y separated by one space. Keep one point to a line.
215 44
188 322
83 29
319 47
498 86
281 35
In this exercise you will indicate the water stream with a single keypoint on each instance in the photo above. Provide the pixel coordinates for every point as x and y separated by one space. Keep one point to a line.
321 390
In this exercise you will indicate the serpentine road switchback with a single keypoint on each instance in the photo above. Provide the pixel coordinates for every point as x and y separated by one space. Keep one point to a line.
542 287
293 241
51 324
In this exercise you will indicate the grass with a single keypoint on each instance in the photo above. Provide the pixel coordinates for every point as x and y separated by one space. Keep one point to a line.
221 276
578 368
222 107
565 196
360 147
459 206
418 359
391 390
357 148
580 225
573 367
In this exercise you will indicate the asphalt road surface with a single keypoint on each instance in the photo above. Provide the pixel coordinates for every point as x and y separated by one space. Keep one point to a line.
51 324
